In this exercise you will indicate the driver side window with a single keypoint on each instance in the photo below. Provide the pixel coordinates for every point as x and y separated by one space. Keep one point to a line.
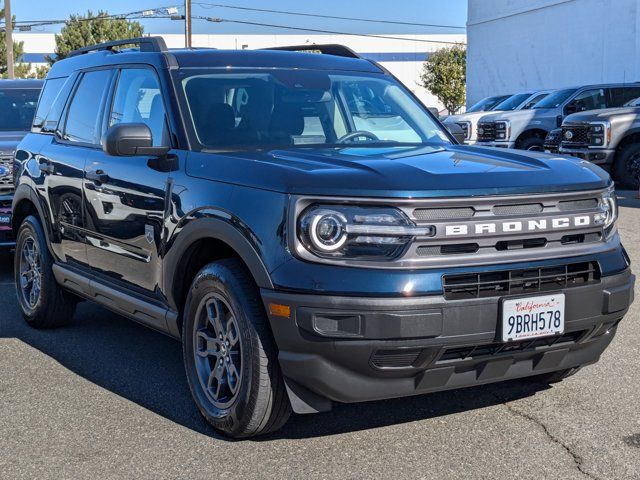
587 100
138 100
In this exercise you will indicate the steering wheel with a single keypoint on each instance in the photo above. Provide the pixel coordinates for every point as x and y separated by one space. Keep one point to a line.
356 134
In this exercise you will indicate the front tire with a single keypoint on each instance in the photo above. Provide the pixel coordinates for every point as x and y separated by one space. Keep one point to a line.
230 357
626 168
533 143
43 303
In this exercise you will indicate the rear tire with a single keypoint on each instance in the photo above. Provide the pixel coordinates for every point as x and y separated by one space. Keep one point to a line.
626 168
43 303
230 357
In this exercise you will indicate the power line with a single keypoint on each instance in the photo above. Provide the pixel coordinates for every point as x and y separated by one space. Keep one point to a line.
317 15
316 30
137 14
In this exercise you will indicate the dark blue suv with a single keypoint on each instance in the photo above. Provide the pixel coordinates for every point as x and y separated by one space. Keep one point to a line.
308 229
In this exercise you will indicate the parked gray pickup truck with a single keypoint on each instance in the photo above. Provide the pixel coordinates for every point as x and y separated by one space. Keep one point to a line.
527 129
609 138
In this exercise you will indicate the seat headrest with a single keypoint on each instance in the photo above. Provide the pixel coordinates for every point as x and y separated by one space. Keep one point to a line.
286 120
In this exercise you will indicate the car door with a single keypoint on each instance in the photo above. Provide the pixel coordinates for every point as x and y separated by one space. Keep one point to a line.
125 196
62 159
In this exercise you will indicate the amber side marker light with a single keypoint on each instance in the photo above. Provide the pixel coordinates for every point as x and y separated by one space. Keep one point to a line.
278 310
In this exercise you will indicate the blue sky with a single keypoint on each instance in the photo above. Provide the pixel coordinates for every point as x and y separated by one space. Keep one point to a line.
449 12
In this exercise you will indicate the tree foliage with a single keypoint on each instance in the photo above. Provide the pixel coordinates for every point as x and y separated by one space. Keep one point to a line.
445 75
83 30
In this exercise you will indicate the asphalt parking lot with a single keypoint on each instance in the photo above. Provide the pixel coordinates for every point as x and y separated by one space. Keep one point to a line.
107 398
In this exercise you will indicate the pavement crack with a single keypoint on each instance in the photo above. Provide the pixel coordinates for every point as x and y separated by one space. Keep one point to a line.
577 459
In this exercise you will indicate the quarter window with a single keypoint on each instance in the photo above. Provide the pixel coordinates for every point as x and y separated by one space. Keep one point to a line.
83 119
138 100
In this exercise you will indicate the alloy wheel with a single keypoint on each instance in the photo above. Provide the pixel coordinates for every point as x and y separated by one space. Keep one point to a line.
30 272
218 351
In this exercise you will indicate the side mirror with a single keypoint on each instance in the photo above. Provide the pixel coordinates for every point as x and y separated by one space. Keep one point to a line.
456 131
434 111
131 139
570 108
559 119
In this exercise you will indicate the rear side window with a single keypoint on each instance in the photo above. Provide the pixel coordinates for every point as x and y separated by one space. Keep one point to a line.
138 100
622 95
83 119
50 92
54 98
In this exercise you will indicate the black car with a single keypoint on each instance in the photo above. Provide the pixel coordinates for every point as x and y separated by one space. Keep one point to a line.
18 100
307 229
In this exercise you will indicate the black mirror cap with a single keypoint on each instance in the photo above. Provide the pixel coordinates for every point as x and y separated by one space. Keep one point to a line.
129 140
559 119
456 131
434 111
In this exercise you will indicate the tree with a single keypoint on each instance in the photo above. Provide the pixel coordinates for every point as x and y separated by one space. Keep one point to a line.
18 52
81 31
445 75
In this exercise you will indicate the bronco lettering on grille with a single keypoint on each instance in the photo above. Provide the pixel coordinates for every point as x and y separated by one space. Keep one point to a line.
519 226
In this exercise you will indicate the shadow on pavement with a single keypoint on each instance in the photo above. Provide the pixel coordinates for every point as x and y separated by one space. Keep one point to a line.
628 198
146 367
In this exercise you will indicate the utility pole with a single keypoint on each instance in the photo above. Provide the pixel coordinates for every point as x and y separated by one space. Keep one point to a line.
187 23
8 27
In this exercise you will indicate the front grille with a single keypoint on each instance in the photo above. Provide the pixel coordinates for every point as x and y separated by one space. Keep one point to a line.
395 358
553 140
426 214
575 135
477 352
486 131
521 209
6 181
522 281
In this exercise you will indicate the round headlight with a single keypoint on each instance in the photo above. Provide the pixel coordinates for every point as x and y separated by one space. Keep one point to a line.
327 230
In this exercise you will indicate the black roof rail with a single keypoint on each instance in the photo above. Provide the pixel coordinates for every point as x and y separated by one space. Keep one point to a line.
147 44
326 49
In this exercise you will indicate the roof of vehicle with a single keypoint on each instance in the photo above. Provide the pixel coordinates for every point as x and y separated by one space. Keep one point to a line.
211 58
22 83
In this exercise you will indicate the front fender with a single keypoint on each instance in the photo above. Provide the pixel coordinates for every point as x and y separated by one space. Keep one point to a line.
217 226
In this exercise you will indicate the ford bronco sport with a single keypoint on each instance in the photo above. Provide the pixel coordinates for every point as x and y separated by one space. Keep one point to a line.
18 100
308 229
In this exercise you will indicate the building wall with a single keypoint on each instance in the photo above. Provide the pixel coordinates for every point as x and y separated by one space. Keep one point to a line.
402 58
516 45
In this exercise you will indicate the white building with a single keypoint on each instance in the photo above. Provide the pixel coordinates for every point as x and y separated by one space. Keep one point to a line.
403 58
516 45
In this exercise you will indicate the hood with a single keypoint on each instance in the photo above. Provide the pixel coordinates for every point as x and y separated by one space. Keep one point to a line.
604 114
467 117
9 141
520 115
406 172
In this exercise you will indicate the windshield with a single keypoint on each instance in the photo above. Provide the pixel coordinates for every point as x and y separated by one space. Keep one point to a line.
512 102
487 104
18 106
635 102
555 99
290 107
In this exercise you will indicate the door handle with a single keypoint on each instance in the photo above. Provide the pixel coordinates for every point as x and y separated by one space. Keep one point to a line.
98 176
46 168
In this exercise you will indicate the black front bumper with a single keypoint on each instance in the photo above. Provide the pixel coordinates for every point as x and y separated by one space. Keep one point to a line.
602 157
354 349
7 238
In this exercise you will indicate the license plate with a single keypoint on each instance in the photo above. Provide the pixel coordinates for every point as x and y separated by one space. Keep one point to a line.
5 219
532 317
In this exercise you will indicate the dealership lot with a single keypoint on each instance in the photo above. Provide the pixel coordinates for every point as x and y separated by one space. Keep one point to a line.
107 397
